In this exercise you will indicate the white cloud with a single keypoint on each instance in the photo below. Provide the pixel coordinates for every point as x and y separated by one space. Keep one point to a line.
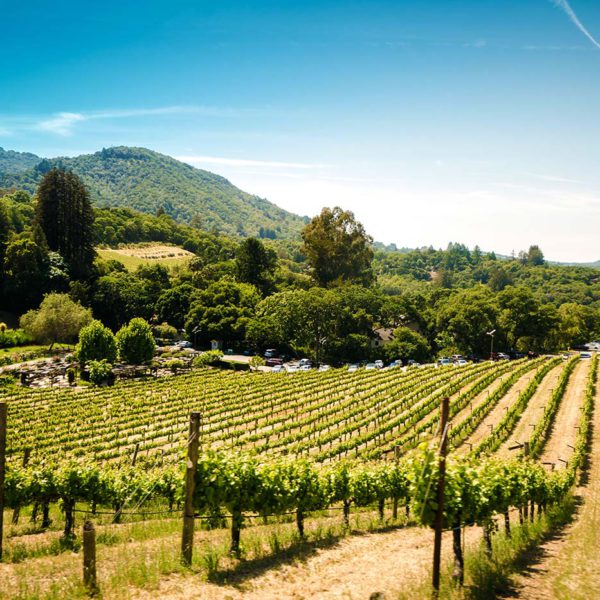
566 7
197 161
61 123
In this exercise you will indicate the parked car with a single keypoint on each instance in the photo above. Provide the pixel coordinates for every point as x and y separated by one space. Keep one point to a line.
444 361
395 363
305 361
370 366
183 344
291 368
378 364
306 367
273 362
324 368
585 355
461 362
352 368
271 353
278 369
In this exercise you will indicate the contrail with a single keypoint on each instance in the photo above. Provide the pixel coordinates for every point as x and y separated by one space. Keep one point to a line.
566 7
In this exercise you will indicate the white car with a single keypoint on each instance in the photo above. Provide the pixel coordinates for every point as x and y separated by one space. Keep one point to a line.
461 362
370 367
378 364
277 369
292 368
352 368
324 368
307 367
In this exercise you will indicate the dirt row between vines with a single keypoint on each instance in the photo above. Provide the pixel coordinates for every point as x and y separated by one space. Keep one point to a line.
497 412
567 566
564 430
530 416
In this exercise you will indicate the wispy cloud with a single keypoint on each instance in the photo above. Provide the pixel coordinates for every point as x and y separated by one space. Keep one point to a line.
245 162
566 7
63 123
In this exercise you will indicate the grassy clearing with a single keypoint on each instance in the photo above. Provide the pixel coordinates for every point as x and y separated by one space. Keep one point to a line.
487 578
134 256
136 556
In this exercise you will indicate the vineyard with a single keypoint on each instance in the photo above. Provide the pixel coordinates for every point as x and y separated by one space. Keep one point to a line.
295 451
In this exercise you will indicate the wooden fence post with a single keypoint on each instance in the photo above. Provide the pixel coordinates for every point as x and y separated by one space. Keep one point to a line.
439 515
89 558
135 453
187 537
2 467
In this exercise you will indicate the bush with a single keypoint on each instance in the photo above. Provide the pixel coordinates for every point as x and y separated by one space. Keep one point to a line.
175 364
164 331
135 342
206 359
58 319
100 372
96 342
9 338
255 362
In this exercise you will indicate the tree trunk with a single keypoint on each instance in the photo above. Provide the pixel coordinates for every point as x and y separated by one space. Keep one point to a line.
236 528
46 515
507 523
68 506
347 513
458 573
487 538
300 523
381 509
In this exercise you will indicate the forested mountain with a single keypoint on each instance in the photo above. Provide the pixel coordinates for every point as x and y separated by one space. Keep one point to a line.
16 162
149 182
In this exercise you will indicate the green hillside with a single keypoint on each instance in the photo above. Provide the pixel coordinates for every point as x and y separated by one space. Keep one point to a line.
147 181
16 162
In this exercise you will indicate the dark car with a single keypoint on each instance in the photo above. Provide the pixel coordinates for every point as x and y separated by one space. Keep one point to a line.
272 362
271 353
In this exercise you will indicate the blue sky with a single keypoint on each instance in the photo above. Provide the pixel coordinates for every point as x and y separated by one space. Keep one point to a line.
455 120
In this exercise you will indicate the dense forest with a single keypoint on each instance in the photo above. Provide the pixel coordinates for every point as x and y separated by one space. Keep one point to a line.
331 294
149 182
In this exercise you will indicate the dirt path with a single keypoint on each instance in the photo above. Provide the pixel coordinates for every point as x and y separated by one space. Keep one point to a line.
568 566
497 412
357 567
532 413
564 431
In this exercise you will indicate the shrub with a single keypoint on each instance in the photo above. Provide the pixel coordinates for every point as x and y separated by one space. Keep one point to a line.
135 342
175 364
96 342
10 338
58 319
256 361
164 331
100 371
206 359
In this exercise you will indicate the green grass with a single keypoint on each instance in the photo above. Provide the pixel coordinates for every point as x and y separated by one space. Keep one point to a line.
31 348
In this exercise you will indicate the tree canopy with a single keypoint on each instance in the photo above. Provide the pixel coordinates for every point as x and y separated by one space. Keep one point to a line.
338 249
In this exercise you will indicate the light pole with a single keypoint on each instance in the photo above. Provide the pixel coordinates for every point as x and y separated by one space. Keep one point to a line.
491 334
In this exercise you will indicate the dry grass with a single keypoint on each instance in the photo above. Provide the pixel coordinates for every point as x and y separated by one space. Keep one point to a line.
133 256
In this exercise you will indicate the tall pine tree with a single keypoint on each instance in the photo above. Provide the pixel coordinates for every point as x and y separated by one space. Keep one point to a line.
65 214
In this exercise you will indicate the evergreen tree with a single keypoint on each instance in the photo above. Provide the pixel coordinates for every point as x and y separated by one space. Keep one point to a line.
65 215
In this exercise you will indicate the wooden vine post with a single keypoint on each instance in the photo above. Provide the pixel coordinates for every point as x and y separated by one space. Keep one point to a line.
89 558
439 516
2 467
187 537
